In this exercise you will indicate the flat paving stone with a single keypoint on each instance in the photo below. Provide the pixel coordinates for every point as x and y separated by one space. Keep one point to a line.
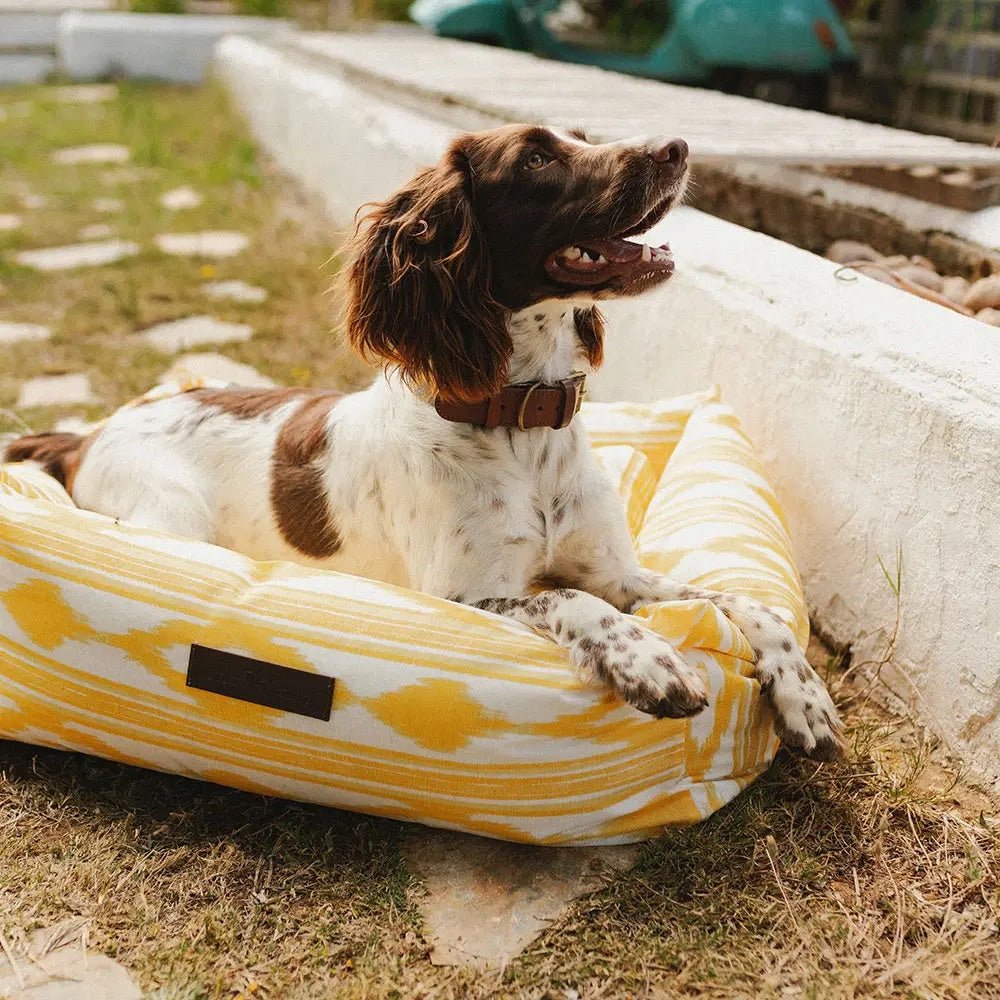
123 175
55 964
208 365
33 201
487 900
101 152
94 93
9 222
97 231
16 333
180 198
236 291
56 390
194 331
77 255
75 425
217 243
108 204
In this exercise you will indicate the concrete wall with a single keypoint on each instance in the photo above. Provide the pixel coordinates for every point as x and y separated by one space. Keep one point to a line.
877 414
172 47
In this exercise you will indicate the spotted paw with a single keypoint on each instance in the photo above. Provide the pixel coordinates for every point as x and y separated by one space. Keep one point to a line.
805 717
642 667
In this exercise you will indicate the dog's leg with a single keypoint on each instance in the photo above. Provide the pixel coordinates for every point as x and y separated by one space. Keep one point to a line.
598 557
491 570
641 666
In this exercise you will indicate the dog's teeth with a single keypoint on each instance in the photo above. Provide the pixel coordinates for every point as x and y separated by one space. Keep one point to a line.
601 259
647 253
573 253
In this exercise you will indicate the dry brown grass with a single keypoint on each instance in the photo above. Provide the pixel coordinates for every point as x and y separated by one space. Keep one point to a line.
875 878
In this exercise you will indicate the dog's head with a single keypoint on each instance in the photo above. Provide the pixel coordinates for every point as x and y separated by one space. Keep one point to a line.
509 218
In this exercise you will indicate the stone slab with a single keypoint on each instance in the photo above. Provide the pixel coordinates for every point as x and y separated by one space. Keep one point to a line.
101 152
180 198
486 900
77 255
235 291
9 222
217 243
96 93
55 964
171 47
96 231
16 333
108 204
56 390
207 365
194 331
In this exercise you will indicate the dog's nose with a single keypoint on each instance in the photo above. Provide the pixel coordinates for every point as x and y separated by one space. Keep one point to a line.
671 154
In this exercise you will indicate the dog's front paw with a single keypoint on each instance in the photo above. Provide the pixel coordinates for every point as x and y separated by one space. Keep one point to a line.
805 717
642 667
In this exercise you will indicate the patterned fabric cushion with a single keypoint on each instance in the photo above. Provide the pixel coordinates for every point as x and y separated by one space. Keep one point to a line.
442 714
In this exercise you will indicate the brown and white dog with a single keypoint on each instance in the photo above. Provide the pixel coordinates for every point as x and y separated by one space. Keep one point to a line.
461 473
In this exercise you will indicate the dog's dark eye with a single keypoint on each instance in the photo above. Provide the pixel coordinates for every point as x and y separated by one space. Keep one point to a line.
536 160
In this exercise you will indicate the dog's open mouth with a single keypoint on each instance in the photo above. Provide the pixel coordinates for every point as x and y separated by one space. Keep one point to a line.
599 261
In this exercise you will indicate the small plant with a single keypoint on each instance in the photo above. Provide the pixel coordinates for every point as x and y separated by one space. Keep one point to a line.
156 6
262 8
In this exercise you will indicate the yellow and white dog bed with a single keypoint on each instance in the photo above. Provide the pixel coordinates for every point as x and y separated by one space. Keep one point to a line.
441 714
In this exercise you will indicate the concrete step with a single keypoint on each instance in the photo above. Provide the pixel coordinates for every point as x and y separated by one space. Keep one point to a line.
878 414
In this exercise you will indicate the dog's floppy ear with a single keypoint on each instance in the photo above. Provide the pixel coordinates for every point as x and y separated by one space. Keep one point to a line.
418 287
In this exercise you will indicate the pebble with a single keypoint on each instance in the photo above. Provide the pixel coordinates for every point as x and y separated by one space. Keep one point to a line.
984 294
955 289
846 251
921 276
77 255
95 153
237 291
194 331
220 243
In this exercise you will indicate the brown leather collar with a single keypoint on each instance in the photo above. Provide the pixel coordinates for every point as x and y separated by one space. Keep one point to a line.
523 405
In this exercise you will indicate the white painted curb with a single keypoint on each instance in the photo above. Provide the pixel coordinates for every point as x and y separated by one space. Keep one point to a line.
172 47
877 414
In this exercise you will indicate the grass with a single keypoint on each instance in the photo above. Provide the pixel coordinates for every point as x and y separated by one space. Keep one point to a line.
95 313
875 878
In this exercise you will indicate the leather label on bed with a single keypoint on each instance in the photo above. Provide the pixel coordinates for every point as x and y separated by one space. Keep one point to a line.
260 682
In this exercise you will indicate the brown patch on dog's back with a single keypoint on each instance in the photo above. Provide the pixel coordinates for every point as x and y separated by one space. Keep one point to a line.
298 495
245 404
58 453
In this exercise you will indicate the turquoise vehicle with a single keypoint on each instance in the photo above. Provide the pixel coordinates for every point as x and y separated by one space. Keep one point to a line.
781 50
